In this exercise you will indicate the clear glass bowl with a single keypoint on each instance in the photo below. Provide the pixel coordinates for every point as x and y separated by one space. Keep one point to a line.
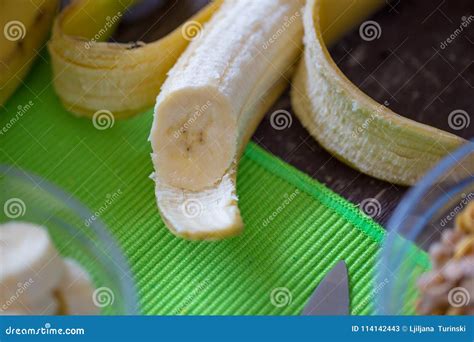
428 208
27 197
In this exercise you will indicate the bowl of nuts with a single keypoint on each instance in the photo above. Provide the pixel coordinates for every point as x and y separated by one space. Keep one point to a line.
427 260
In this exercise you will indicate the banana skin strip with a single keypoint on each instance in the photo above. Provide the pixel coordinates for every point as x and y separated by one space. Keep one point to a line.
91 75
349 124
23 34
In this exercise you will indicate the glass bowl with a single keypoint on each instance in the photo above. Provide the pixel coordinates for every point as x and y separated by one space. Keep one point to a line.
76 233
428 208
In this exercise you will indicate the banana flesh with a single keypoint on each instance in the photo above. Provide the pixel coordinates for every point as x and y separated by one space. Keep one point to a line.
93 75
24 32
35 280
391 147
29 261
211 104
76 291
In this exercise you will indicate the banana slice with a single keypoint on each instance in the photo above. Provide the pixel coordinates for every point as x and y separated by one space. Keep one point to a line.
75 292
24 29
210 105
30 264
391 148
47 305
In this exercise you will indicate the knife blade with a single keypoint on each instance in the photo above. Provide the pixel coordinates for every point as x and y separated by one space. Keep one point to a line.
331 297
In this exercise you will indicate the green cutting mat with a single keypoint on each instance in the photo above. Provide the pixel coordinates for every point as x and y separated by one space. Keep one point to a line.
296 229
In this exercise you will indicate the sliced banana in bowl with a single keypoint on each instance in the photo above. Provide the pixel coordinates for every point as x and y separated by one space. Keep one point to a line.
75 291
31 264
34 278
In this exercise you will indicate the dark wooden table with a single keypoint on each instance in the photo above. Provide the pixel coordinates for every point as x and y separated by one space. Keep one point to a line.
406 66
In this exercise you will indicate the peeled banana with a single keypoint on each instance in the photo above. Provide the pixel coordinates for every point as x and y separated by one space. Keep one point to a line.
210 105
24 26
389 147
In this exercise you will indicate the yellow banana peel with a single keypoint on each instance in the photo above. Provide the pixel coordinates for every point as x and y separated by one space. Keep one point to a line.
93 75
352 126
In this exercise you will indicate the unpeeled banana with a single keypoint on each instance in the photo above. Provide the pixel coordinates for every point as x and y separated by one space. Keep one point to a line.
24 26
362 133
210 105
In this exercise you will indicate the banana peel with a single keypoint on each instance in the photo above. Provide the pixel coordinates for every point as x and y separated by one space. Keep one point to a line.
23 34
92 74
362 133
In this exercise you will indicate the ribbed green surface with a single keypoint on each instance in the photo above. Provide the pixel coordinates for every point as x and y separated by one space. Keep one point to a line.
310 228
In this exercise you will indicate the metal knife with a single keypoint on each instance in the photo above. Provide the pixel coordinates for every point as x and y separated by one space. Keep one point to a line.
331 297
